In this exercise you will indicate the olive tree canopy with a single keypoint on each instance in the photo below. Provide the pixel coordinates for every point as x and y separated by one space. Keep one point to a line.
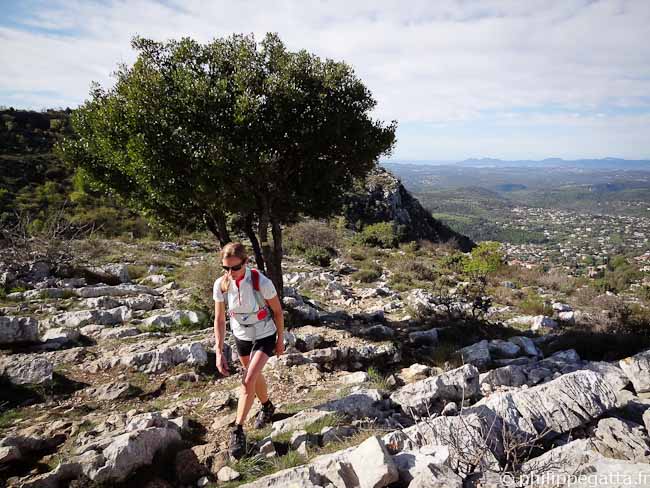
196 134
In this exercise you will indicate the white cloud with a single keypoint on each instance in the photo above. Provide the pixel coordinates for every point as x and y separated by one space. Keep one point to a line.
426 62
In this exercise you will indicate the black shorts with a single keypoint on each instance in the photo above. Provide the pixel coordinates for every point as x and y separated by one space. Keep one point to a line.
266 345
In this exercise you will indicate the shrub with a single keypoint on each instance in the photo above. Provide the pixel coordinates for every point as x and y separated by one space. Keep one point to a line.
485 258
453 262
318 256
310 234
535 305
366 275
381 234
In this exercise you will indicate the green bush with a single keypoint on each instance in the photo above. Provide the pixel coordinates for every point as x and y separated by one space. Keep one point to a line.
485 258
381 234
535 305
367 275
318 256
311 234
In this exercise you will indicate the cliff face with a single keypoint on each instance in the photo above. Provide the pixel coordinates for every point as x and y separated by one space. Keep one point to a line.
383 198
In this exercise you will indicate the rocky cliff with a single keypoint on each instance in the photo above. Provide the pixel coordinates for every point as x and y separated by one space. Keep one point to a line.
383 198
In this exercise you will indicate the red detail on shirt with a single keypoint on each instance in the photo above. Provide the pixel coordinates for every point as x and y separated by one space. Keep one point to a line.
237 282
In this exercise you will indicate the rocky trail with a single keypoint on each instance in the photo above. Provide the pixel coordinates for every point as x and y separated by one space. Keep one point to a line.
109 380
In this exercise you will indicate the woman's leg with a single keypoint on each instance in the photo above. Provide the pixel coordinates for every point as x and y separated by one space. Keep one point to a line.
249 386
261 390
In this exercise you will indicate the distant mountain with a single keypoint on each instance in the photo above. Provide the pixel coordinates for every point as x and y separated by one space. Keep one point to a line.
604 163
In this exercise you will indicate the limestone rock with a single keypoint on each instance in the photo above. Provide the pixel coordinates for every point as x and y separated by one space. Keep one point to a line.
527 345
226 474
373 464
541 322
637 368
23 369
570 401
477 354
420 397
126 453
617 439
503 349
172 318
355 378
424 337
18 329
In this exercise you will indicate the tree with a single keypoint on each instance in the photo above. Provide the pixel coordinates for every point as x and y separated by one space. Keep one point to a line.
230 135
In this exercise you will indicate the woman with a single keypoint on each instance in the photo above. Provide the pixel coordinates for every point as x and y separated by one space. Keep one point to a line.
258 335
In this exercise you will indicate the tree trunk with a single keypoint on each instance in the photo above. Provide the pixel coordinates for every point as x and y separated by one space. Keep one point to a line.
248 229
278 253
273 270
217 225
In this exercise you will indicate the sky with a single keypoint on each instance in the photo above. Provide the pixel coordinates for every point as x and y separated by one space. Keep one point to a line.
508 79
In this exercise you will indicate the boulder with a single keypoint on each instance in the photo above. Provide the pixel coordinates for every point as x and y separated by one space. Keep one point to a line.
561 307
424 337
477 354
526 345
24 369
423 396
355 378
155 358
577 461
415 372
613 374
227 474
553 408
18 329
637 368
620 439
506 376
373 464
171 319
359 404
541 322
434 476
125 453
114 291
503 349
378 332
410 463
300 421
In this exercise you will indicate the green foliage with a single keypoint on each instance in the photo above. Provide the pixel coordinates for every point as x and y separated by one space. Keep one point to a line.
333 420
8 417
367 275
533 304
318 256
485 258
311 234
454 262
381 234
378 380
192 132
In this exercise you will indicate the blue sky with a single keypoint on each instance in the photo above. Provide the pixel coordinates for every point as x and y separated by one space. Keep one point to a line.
510 79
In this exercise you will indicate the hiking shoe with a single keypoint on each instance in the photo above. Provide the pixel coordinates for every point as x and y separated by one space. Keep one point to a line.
237 445
264 416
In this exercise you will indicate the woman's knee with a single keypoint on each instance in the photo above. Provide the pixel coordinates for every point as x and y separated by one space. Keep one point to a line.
249 381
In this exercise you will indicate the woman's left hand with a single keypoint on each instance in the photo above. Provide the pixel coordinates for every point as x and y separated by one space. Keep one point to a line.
279 346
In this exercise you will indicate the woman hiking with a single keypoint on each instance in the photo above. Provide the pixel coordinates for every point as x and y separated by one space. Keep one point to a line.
257 323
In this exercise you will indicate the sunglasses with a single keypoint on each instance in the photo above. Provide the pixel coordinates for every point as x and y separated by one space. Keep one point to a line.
233 268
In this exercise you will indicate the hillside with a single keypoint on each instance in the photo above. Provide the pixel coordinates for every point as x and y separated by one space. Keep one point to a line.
392 355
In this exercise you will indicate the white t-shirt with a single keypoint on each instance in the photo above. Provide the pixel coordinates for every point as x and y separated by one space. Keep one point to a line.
242 300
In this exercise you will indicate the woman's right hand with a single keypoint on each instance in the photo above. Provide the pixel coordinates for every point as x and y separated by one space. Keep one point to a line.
222 364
